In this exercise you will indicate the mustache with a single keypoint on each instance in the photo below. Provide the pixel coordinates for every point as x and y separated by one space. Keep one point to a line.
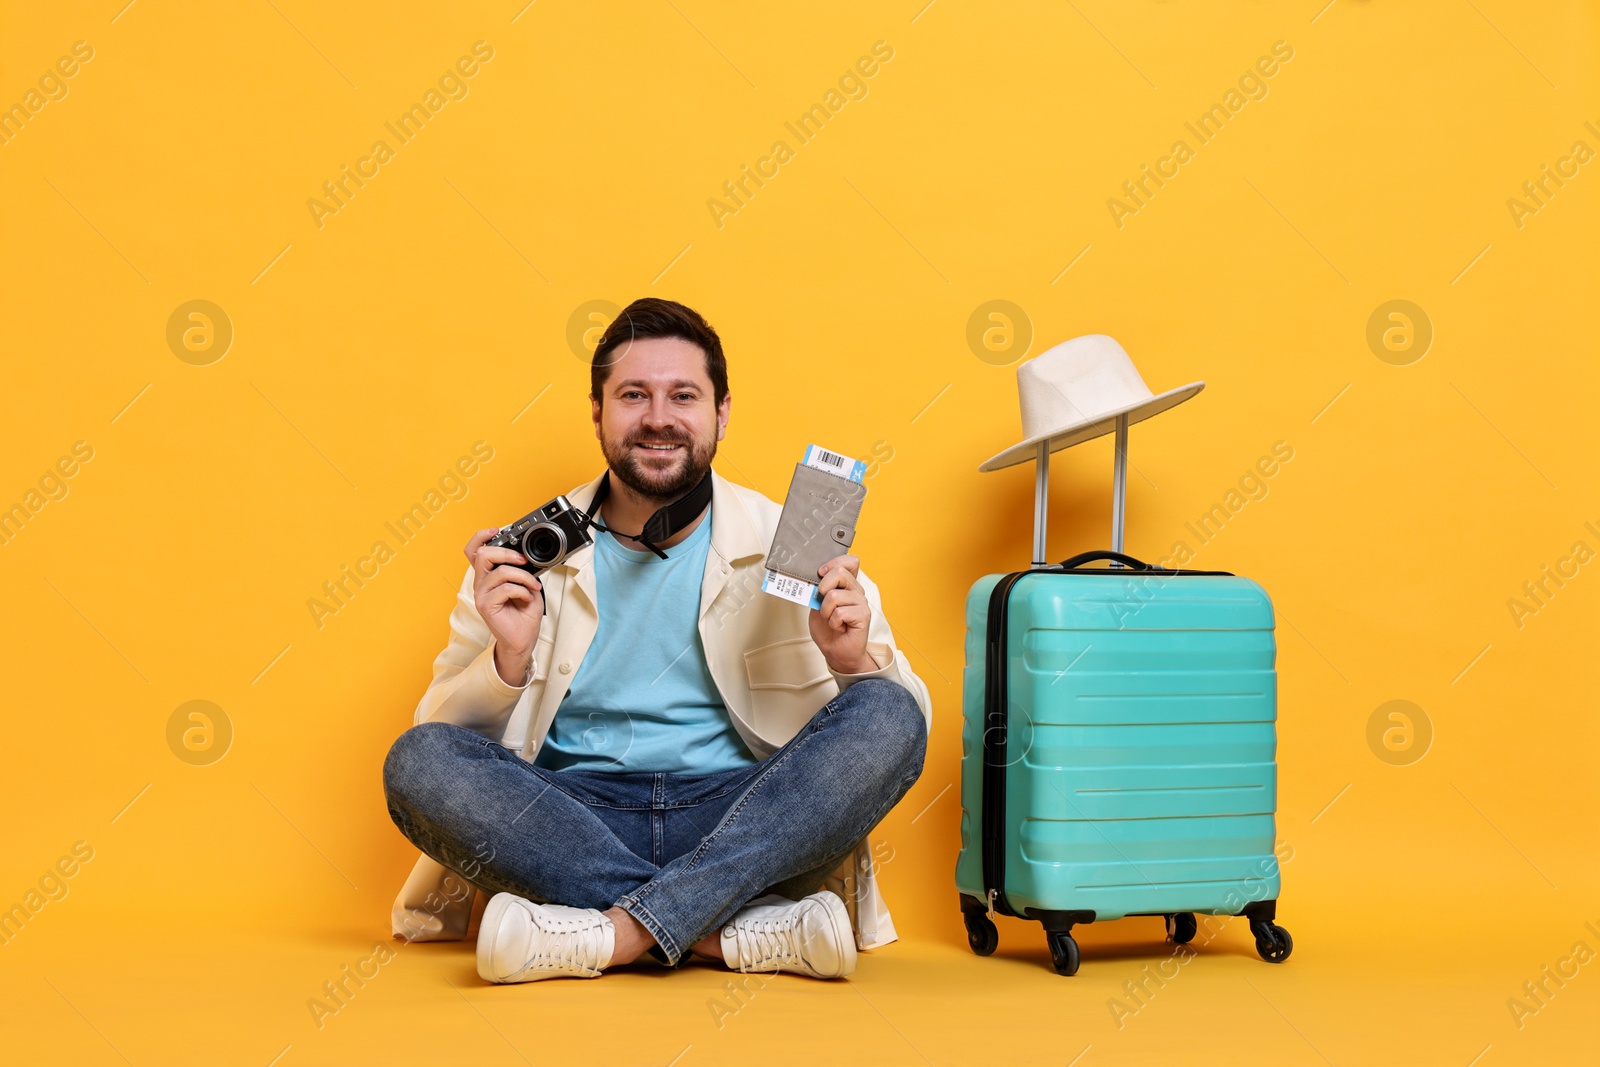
662 439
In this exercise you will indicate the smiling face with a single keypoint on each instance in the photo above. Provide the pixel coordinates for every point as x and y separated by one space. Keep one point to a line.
658 420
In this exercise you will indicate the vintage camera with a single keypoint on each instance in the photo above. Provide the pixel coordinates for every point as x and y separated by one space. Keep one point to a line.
547 535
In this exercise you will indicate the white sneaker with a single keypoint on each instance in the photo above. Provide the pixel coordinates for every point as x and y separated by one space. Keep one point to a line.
520 941
810 937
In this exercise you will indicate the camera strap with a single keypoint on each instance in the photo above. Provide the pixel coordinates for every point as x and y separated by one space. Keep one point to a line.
664 523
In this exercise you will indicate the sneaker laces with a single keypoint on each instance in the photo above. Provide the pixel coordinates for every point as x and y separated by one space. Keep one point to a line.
768 941
562 941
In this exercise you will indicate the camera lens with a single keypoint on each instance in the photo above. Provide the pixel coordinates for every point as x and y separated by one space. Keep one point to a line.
544 545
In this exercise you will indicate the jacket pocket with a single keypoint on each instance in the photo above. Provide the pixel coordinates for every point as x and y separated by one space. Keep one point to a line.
789 680
793 664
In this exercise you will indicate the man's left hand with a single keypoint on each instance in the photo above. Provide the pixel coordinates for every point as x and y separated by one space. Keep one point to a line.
840 627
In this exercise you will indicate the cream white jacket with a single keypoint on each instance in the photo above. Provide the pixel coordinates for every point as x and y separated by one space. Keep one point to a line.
771 676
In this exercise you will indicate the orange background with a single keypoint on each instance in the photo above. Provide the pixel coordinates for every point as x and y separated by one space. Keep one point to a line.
434 310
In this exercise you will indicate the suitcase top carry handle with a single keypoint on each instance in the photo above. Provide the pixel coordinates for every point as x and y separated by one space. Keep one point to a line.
1076 563
1089 557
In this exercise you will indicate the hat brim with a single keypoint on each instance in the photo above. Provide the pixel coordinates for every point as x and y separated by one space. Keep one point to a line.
1079 432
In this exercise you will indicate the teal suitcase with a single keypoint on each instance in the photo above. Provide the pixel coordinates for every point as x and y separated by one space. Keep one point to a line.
1118 750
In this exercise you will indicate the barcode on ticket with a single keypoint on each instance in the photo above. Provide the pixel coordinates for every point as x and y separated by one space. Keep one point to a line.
782 585
833 463
825 457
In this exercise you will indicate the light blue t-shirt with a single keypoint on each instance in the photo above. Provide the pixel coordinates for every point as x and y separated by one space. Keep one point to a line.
643 698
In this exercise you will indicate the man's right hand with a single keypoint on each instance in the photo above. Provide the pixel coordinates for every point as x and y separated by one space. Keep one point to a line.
511 602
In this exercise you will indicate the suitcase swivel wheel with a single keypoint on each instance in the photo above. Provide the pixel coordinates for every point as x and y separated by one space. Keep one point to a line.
981 933
1182 927
1063 952
1273 942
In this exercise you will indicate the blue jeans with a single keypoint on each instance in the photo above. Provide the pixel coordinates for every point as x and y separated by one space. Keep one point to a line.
680 853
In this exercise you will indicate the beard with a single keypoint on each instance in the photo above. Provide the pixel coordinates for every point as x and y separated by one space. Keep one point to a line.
651 479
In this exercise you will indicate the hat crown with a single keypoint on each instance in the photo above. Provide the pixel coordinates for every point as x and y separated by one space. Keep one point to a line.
1076 381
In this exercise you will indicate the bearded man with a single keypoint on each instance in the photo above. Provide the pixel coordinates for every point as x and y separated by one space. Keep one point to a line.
636 751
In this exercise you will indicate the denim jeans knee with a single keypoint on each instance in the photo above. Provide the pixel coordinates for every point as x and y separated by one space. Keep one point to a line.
897 720
415 755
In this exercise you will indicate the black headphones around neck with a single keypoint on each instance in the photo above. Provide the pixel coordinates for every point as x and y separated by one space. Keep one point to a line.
665 522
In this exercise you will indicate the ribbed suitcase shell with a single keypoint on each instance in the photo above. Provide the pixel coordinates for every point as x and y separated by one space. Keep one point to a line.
1141 754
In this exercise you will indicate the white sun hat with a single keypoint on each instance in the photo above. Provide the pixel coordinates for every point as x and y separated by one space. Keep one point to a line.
1074 393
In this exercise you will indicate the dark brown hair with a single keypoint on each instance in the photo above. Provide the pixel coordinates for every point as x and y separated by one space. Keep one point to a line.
654 317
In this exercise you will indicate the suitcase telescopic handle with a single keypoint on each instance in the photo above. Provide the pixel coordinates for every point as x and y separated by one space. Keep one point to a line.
1119 492
1089 557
